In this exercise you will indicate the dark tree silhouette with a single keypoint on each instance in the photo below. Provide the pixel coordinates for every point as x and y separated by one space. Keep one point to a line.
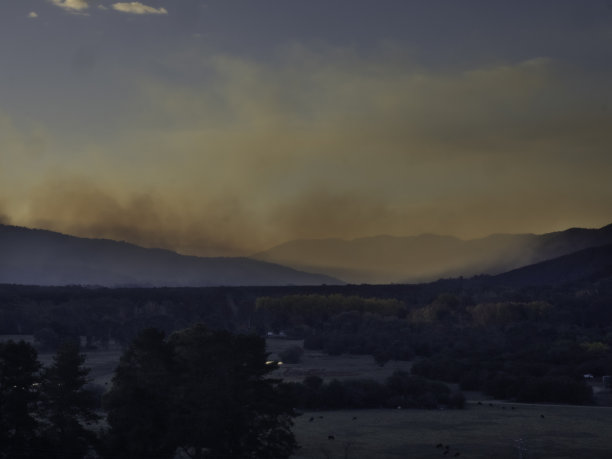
201 391
19 380
138 404
66 406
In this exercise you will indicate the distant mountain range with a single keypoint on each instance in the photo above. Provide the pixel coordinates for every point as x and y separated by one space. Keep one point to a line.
39 257
387 259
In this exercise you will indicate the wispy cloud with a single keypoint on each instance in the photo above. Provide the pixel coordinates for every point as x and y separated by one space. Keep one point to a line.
71 5
33 14
137 8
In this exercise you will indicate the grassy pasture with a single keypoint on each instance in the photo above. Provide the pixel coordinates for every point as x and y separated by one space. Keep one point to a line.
329 366
479 431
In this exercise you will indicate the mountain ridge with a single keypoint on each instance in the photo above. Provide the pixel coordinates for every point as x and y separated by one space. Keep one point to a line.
427 257
43 257
592 263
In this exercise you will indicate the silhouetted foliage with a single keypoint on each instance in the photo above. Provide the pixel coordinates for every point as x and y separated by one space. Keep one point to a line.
66 405
399 390
294 310
138 404
44 413
19 380
201 391
474 332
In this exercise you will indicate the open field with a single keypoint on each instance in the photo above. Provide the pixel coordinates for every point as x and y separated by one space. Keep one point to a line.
479 431
331 366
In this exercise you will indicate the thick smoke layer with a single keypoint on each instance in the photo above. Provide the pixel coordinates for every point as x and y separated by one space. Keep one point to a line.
322 143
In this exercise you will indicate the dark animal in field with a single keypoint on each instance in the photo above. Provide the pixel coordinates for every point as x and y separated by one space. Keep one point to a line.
331 437
354 418
512 408
490 404
320 417
480 403
542 416
311 419
439 445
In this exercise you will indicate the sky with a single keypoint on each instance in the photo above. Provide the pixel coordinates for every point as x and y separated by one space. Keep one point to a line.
225 127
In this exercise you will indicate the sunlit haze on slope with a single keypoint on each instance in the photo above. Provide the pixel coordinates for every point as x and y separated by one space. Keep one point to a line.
225 127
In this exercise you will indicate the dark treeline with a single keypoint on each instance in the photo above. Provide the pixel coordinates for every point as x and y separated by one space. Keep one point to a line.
288 312
44 412
521 343
198 393
103 314
524 351
54 314
527 344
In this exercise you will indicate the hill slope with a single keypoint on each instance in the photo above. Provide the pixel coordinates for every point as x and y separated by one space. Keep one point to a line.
588 264
384 259
40 257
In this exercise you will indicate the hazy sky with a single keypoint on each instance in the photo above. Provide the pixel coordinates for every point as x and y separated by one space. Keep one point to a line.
222 127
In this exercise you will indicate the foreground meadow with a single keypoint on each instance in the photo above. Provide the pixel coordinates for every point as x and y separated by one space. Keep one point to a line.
479 432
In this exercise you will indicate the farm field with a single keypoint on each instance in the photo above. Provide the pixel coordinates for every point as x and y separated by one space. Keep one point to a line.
478 432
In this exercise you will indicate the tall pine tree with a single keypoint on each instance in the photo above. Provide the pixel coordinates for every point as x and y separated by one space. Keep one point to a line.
202 392
67 408
138 404
19 382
